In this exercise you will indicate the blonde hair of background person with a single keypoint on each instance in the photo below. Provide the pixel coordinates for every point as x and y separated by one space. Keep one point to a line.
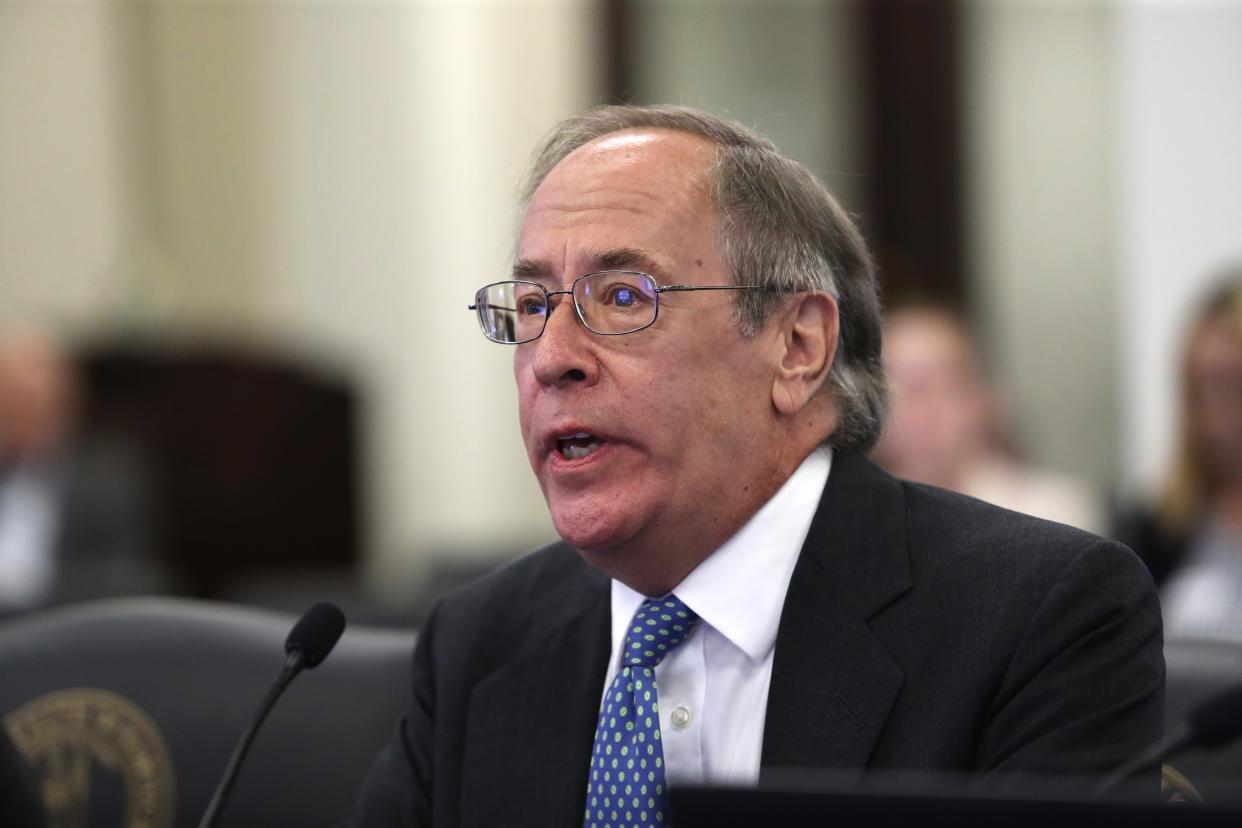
1207 469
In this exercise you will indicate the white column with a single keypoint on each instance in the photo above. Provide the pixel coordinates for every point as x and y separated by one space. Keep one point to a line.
1040 148
64 210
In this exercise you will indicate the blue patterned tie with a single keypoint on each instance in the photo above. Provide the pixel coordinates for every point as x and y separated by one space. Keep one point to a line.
626 786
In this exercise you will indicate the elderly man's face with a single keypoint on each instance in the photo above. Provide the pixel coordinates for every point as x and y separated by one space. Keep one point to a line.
651 440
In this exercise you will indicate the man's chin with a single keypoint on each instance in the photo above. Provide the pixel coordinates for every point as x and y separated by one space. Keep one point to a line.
592 533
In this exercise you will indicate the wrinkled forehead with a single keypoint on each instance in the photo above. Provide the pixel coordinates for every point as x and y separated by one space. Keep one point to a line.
673 163
639 190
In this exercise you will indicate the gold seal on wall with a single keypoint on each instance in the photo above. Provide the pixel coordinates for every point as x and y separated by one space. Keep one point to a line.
85 742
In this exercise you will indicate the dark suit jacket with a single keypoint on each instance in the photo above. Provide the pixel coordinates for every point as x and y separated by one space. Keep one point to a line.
922 630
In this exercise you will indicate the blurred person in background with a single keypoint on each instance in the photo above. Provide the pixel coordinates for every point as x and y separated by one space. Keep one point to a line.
1192 539
945 424
73 514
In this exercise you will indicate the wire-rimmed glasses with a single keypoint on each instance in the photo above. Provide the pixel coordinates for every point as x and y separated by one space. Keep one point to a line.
607 302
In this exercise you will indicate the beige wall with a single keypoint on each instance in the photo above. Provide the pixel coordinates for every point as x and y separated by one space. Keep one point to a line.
64 209
330 179
335 178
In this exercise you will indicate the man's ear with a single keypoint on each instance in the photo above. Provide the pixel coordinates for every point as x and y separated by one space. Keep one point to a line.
809 329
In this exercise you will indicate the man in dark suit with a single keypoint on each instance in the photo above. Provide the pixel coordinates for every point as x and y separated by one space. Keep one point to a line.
74 520
739 589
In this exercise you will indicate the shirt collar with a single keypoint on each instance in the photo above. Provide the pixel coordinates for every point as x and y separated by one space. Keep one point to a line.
740 588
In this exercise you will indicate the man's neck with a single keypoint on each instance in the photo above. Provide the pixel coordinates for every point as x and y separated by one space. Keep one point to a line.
658 559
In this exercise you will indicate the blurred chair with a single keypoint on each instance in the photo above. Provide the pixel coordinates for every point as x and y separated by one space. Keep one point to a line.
1198 668
128 711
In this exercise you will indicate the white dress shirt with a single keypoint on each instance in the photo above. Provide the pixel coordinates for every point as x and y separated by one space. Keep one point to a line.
1203 596
29 510
713 688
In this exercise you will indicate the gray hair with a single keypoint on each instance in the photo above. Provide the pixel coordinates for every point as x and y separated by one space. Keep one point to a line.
777 226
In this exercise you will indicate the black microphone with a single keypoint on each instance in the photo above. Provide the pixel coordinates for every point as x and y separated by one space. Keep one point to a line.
1211 724
309 642
314 636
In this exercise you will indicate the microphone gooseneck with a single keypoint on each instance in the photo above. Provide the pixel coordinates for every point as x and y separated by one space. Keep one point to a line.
1211 724
308 644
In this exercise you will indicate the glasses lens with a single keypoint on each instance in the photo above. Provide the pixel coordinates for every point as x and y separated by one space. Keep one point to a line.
616 301
512 312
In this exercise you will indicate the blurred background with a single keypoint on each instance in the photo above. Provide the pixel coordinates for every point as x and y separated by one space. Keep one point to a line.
237 241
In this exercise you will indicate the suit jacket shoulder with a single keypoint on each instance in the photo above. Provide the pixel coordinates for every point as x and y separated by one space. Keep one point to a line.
935 631
514 604
507 678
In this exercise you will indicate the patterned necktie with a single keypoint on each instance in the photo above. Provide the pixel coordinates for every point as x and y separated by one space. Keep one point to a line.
626 785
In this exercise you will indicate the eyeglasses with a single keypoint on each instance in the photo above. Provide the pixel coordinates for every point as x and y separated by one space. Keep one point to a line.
607 302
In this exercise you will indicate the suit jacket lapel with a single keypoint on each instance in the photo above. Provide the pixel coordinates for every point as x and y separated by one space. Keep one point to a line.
833 682
546 699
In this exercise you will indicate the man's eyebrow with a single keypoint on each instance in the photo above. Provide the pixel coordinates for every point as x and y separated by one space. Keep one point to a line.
625 258
528 269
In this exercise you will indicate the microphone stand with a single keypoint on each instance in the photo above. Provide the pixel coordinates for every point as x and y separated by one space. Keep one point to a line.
1153 756
293 665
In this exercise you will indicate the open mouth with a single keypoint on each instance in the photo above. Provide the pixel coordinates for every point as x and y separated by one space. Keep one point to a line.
577 446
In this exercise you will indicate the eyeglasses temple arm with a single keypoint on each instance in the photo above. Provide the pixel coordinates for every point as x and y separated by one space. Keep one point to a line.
662 288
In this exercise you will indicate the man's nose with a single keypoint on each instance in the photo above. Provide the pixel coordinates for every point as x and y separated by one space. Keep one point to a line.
565 354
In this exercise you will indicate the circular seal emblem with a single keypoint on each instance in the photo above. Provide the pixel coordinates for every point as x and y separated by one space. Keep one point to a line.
95 751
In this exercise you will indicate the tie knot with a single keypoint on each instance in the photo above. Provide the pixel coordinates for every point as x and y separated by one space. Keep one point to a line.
658 626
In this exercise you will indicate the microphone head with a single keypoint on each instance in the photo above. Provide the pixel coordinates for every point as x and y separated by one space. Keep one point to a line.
316 633
1218 720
